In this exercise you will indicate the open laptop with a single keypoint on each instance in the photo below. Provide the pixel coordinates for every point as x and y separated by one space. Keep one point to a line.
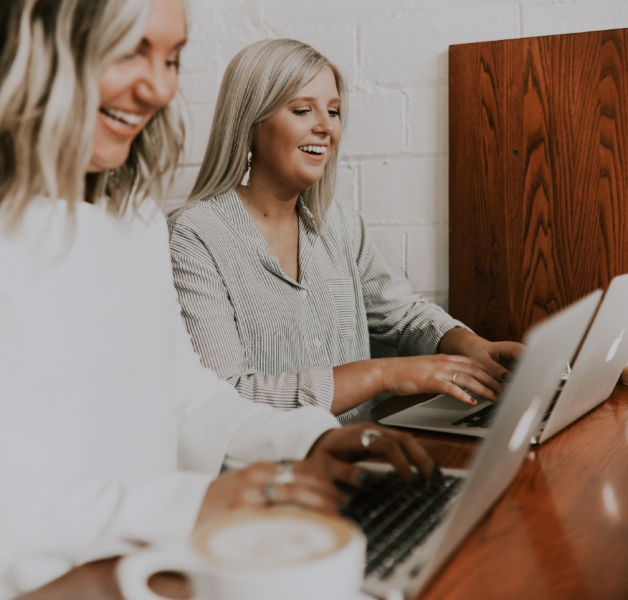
590 381
407 549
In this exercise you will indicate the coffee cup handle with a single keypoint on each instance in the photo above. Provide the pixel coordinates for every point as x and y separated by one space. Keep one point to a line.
135 570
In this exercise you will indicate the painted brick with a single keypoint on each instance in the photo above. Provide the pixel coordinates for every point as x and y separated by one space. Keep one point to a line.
280 11
428 119
409 191
413 47
375 124
200 87
183 182
574 16
198 121
338 44
347 184
428 258
392 245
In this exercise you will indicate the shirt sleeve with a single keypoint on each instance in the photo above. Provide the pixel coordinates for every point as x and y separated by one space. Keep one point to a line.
216 424
210 320
396 316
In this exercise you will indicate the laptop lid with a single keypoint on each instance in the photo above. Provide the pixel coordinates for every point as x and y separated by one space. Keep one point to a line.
599 363
549 347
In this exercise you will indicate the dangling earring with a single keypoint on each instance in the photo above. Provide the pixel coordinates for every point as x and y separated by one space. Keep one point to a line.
247 176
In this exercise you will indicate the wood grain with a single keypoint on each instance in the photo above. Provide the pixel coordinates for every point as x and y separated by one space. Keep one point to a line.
538 176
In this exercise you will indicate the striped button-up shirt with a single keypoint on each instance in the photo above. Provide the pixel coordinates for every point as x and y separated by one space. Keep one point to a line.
276 339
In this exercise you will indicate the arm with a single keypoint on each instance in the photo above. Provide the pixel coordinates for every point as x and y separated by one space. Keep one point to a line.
210 319
49 525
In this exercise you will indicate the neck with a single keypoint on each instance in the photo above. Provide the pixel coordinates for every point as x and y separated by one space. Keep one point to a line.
268 203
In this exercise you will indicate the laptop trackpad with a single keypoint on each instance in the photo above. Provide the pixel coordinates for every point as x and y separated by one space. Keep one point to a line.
447 403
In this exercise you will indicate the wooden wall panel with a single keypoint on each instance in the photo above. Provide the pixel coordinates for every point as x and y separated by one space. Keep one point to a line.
538 176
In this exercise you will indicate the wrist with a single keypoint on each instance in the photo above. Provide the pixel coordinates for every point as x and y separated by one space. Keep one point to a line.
457 341
379 375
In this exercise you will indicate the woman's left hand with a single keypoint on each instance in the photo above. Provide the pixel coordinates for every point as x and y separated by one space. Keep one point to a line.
335 450
496 357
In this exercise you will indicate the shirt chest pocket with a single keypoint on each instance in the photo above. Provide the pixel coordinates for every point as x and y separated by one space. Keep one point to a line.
343 300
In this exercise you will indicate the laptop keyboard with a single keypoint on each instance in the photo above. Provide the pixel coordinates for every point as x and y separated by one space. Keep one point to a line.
484 417
480 418
397 517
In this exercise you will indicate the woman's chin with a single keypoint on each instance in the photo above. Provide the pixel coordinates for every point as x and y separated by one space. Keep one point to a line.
109 159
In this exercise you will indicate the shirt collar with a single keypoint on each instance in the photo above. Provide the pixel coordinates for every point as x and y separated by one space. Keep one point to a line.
306 214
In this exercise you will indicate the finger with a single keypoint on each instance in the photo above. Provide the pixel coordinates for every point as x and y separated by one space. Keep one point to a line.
346 473
307 497
481 377
321 484
417 455
389 449
453 390
470 384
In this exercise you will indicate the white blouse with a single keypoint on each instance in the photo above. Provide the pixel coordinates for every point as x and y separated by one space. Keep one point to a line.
111 429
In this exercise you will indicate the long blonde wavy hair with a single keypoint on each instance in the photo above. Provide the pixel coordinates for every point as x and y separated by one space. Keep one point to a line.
51 54
258 81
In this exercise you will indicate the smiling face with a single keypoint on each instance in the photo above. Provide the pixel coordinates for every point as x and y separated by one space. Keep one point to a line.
135 87
293 146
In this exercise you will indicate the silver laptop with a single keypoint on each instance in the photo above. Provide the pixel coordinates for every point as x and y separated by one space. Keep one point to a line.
408 561
598 364
590 380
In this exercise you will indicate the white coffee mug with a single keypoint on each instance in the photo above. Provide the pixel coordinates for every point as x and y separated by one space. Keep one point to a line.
278 553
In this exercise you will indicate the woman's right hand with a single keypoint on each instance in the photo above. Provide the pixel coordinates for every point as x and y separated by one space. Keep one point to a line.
248 487
439 373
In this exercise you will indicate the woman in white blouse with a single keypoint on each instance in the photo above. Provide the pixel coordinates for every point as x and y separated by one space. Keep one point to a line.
281 285
112 433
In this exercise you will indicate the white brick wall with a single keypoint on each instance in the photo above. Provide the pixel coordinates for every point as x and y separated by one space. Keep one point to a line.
394 55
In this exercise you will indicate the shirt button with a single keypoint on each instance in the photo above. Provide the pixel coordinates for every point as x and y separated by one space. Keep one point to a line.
303 294
317 343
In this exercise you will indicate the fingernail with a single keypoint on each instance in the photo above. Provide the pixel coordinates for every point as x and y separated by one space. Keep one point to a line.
362 478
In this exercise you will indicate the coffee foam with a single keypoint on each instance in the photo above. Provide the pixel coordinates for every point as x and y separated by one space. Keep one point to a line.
270 537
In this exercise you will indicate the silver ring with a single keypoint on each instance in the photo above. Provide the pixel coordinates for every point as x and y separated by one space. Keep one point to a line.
269 492
369 436
284 472
453 379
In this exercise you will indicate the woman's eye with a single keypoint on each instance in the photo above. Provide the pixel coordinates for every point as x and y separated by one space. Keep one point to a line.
301 111
334 112
175 63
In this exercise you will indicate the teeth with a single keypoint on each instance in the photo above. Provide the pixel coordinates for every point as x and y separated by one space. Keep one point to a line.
313 149
122 116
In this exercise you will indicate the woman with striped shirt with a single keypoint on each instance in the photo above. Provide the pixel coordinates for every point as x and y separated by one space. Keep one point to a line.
281 286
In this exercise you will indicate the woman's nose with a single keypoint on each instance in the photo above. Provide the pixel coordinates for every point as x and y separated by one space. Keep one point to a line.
158 85
324 124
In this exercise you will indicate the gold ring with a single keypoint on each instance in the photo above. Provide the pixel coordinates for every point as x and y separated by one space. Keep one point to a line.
453 379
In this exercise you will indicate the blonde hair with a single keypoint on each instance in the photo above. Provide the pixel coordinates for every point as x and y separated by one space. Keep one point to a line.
50 59
258 81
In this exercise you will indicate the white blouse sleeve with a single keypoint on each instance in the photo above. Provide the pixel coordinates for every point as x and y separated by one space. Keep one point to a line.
216 423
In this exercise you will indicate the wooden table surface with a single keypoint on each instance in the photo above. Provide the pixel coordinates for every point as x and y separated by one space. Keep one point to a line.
559 532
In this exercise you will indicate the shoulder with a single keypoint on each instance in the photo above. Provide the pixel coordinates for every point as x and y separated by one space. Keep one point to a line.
342 220
194 214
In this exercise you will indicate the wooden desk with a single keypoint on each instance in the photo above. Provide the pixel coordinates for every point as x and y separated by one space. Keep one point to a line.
559 532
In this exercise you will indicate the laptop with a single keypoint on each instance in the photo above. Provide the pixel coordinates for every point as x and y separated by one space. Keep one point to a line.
409 535
589 381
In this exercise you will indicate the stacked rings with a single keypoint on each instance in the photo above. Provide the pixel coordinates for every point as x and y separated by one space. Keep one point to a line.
284 475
